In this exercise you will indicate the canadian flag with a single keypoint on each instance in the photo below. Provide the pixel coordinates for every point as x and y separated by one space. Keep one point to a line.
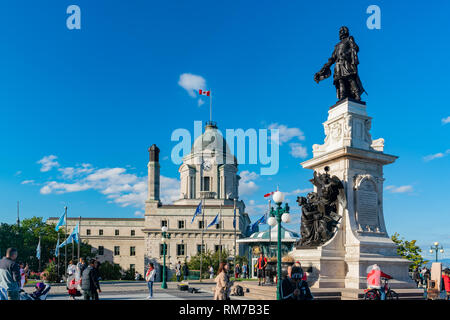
269 194
204 93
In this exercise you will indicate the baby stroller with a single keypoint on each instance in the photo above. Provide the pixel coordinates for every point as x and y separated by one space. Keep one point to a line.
40 293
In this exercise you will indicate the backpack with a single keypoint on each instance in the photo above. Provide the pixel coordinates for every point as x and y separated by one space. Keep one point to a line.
237 291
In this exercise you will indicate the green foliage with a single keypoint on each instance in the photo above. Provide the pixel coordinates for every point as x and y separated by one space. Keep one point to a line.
26 237
409 250
50 273
129 274
209 259
109 271
241 260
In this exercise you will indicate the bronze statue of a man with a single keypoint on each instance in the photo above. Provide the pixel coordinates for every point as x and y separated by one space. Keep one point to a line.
345 58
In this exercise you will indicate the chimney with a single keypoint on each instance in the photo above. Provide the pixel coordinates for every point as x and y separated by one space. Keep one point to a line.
153 174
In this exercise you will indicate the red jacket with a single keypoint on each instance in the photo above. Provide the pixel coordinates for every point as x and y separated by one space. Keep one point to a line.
446 283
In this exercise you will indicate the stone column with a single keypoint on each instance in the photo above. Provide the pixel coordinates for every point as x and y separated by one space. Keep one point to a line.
153 174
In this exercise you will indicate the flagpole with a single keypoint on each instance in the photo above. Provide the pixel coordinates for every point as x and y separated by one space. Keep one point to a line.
203 228
220 234
57 245
235 223
65 247
210 105
39 244
79 237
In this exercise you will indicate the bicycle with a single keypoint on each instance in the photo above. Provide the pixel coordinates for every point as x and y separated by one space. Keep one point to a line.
375 294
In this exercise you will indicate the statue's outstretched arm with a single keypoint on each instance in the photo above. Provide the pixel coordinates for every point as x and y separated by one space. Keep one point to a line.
325 72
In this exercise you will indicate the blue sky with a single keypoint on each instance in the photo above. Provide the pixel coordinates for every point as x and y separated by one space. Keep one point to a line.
98 97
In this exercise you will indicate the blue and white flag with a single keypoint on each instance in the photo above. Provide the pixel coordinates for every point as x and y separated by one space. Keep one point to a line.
254 226
234 218
214 222
197 211
74 236
57 248
61 221
38 250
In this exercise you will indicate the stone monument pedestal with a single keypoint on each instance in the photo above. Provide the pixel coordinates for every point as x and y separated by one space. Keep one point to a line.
361 238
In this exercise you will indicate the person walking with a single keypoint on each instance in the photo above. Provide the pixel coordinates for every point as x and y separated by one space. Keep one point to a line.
89 282
81 265
22 276
245 271
150 278
185 271
416 276
261 265
237 271
223 283
178 271
211 272
97 279
71 269
374 275
10 278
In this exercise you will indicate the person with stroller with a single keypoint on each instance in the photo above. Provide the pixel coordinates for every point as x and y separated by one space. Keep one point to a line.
374 275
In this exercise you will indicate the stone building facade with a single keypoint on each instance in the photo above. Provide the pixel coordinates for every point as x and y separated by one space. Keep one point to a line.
208 174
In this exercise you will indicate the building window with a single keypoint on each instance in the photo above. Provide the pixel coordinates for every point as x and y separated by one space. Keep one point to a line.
132 251
200 224
133 233
217 248
132 267
163 223
206 182
100 232
88 232
161 250
180 249
101 250
180 224
116 232
218 225
117 251
199 248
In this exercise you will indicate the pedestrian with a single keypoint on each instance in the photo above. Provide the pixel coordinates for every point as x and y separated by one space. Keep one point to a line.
10 278
446 279
81 265
150 278
22 276
416 276
185 271
178 271
71 269
89 281
237 271
211 272
97 279
293 287
137 276
374 275
298 264
223 283
261 265
244 271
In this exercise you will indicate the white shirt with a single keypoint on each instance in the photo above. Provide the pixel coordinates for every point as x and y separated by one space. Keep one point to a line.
71 269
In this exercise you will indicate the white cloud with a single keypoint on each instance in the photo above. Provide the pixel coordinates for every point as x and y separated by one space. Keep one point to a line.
27 182
48 163
139 213
191 83
401 189
119 186
297 150
246 185
446 120
436 155
286 133
200 102
297 192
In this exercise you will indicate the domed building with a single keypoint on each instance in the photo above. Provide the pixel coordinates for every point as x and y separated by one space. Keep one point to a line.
208 175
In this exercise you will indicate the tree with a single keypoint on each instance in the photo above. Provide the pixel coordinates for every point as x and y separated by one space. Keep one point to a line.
409 250
208 259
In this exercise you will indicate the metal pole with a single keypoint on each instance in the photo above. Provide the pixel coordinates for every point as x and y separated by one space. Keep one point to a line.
279 252
203 228
235 223
220 234
57 267
65 247
40 253
210 106
270 229
164 283
79 237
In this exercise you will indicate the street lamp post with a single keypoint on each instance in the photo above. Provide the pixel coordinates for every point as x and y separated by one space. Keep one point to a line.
276 217
164 238
436 248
